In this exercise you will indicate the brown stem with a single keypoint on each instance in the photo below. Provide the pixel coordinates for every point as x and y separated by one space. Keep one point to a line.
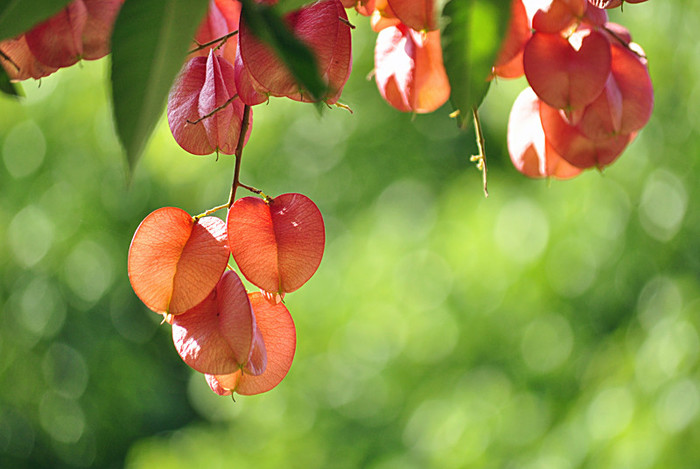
346 22
7 57
245 123
222 39
229 101
255 190
238 154
623 42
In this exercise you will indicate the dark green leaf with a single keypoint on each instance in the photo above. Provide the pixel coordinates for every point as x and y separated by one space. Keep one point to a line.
7 87
471 37
19 16
149 45
268 26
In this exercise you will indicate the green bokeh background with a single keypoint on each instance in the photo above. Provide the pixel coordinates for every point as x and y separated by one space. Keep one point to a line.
554 325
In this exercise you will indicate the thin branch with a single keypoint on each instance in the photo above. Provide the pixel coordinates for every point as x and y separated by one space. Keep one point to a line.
222 39
238 154
623 42
245 123
255 191
347 22
481 157
229 101
7 57
210 211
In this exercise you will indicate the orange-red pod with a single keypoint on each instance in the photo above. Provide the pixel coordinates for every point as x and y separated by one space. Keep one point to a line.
382 16
529 150
409 70
323 27
175 261
98 29
278 245
220 335
221 19
567 73
552 16
632 77
81 30
279 334
204 112
58 41
576 148
363 7
24 64
420 15
509 62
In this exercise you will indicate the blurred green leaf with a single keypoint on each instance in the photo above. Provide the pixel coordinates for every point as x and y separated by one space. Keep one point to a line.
471 38
7 87
284 6
267 24
149 45
18 16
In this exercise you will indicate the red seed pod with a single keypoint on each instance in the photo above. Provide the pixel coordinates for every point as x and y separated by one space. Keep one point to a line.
576 148
278 245
409 70
204 113
323 27
220 335
101 15
419 15
382 16
79 31
23 64
568 73
626 103
553 16
529 150
509 62
221 19
279 335
58 41
175 261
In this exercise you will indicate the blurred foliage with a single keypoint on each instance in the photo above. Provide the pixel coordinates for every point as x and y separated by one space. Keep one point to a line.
553 325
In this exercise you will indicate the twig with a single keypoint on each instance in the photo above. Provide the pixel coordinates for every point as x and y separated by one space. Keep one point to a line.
229 101
210 211
238 154
222 39
255 191
623 42
7 57
481 157
347 22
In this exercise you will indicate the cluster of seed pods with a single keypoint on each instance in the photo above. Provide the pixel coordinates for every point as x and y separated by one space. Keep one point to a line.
80 31
242 342
206 103
178 266
590 90
408 66
589 95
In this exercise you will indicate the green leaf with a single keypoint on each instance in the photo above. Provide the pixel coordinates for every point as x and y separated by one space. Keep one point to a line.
149 46
471 37
7 87
19 16
266 23
285 6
